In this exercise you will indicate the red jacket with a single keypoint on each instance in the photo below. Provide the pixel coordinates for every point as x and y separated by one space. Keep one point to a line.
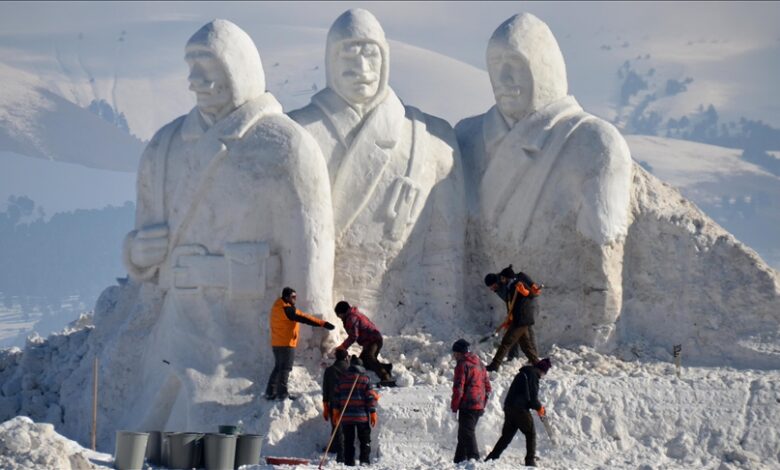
359 328
471 384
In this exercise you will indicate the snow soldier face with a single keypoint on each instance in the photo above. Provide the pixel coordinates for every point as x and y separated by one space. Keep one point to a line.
526 66
356 59
225 68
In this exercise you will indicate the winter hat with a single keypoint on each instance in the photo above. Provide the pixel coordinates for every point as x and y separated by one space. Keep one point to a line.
341 354
341 308
355 361
507 272
461 346
491 279
544 364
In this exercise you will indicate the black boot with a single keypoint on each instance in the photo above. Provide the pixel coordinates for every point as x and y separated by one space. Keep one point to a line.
530 461
493 367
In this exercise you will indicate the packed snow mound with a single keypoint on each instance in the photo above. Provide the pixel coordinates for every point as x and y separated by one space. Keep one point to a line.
26 445
39 123
740 196
627 411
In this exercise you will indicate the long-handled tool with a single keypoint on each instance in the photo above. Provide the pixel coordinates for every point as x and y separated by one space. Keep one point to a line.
336 427
549 430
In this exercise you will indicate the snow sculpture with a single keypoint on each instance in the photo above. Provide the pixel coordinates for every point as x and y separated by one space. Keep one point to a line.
551 186
396 183
233 204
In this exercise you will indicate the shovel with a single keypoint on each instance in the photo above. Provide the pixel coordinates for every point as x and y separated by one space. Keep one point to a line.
549 430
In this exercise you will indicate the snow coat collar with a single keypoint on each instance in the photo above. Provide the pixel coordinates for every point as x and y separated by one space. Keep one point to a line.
388 116
233 126
531 133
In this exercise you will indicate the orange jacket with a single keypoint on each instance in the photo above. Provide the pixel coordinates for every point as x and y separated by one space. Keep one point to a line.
284 330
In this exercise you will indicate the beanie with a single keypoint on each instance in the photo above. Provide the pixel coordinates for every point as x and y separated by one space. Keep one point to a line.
491 279
341 354
341 308
461 346
544 364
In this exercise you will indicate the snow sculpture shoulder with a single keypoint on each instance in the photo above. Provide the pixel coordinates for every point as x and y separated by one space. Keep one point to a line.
396 183
551 184
233 204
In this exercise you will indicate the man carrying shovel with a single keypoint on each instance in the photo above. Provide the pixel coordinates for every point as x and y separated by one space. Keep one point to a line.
520 292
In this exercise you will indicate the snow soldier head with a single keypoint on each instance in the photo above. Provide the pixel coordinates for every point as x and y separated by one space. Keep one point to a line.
526 66
225 68
357 58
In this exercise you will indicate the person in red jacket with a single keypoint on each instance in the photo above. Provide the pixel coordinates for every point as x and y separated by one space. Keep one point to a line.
285 322
359 328
470 392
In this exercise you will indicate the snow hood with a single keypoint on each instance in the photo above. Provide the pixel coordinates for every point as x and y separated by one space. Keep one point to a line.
357 25
470 358
531 38
237 53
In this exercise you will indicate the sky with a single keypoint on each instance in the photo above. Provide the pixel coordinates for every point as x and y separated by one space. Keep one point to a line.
457 29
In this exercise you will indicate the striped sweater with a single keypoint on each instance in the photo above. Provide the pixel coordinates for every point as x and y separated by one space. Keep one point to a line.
363 400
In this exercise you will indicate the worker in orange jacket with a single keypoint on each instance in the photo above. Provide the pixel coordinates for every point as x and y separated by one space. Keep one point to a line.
285 322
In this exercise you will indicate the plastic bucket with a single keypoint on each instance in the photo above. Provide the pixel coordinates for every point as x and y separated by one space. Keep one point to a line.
165 448
154 448
248 448
184 450
130 450
228 429
219 451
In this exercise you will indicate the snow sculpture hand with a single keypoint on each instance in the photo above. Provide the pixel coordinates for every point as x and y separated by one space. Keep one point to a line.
149 245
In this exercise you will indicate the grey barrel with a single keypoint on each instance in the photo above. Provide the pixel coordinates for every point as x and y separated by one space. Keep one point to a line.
248 449
130 450
185 450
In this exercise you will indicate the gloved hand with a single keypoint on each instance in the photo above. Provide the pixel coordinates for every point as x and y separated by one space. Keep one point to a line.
329 326
541 412
325 411
372 419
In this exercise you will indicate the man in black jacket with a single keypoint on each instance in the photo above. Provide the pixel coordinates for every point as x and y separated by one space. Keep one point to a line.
519 292
523 395
330 380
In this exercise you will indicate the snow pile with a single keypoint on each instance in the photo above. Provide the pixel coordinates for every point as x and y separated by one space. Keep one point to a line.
630 412
32 379
25 445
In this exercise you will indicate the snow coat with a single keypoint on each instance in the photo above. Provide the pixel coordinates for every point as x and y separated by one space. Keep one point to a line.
364 399
359 328
524 391
285 322
471 384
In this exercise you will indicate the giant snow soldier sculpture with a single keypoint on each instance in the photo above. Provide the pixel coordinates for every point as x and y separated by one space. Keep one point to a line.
233 201
396 182
552 185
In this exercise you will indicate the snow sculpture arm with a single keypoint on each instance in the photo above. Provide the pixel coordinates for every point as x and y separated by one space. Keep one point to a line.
146 247
605 162
443 251
303 223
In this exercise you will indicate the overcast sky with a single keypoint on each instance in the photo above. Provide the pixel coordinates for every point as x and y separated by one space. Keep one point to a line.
458 29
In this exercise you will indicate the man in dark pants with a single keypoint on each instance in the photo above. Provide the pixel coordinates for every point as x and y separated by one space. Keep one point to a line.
330 380
519 291
359 411
470 391
363 331
284 321
523 395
